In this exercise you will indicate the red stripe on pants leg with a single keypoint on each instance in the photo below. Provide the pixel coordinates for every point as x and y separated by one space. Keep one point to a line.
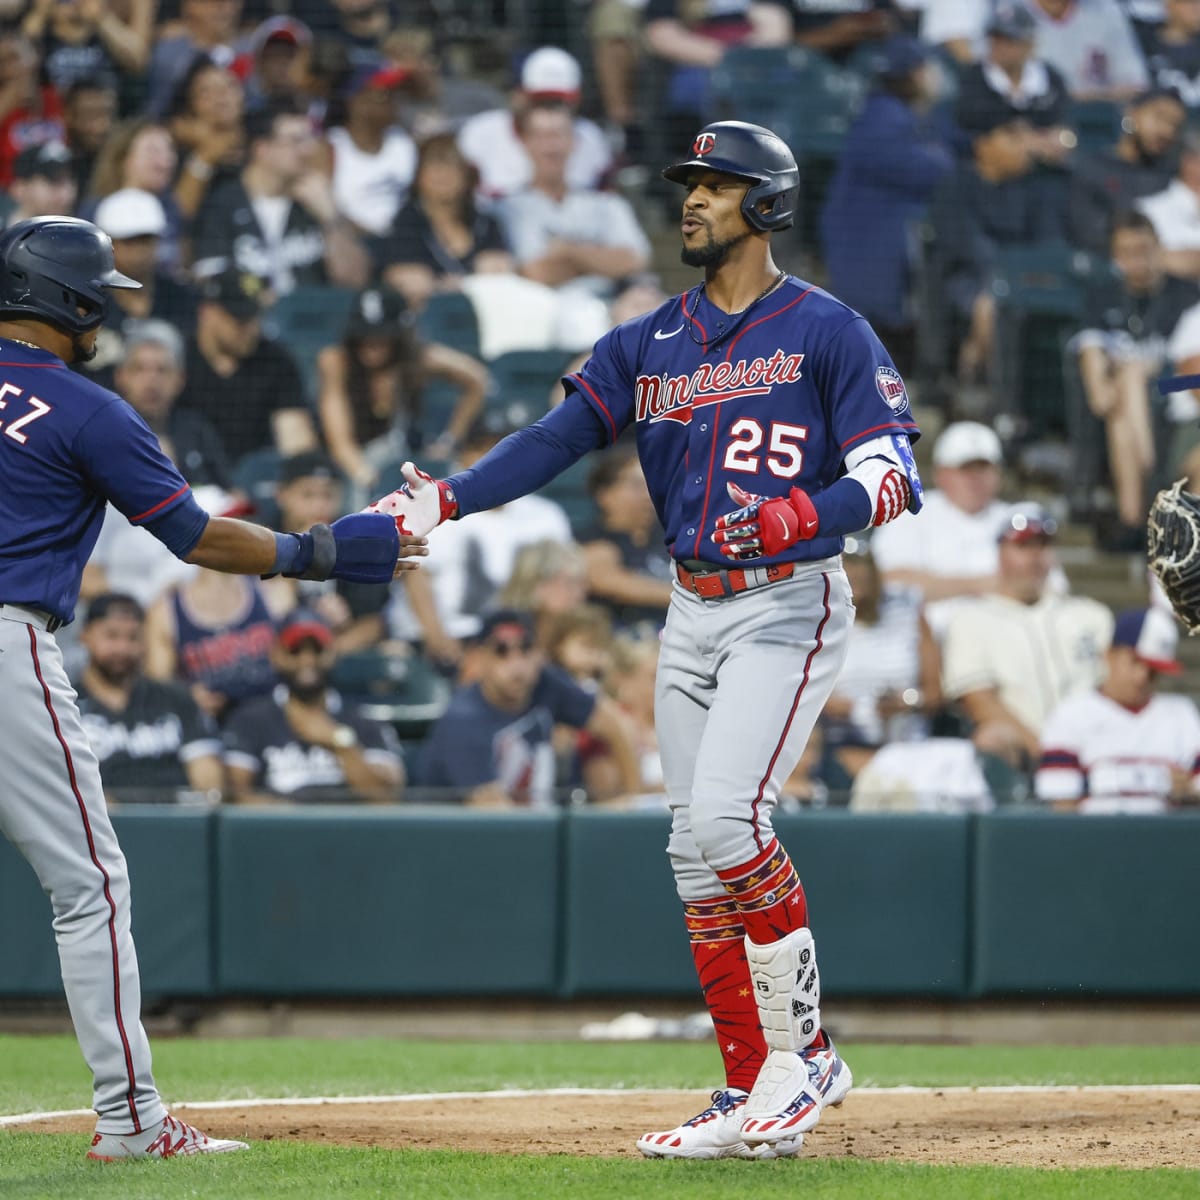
112 906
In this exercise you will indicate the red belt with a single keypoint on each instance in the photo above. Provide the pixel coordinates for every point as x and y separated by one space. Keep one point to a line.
720 585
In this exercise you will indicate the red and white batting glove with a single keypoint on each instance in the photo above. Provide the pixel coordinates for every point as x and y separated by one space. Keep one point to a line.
420 504
763 526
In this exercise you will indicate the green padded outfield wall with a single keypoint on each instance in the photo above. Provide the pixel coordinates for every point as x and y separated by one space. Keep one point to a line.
1087 905
888 896
170 868
349 900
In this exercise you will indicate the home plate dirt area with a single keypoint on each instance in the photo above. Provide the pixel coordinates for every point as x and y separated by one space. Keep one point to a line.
1060 1127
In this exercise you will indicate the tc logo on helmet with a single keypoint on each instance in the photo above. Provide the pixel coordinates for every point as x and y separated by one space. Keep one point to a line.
704 143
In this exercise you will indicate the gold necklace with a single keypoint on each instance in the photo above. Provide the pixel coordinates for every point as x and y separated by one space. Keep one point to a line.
22 342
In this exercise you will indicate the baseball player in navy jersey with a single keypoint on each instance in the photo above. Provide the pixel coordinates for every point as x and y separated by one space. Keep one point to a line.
770 422
67 447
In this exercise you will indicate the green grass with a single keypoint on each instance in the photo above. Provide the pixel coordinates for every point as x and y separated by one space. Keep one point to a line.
46 1073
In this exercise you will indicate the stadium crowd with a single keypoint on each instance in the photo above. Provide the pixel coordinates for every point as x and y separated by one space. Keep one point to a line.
368 231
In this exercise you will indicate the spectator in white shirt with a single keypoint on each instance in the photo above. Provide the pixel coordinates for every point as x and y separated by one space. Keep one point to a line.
1010 657
950 552
1093 45
957 26
564 236
1123 748
491 141
1175 211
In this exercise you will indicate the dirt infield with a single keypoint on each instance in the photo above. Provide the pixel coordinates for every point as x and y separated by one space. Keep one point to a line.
1069 1128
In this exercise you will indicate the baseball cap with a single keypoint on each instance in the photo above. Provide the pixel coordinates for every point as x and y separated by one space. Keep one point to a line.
217 502
900 55
965 442
51 159
551 72
1152 635
377 311
312 464
130 213
280 29
1026 522
304 625
1012 20
507 625
376 78
237 292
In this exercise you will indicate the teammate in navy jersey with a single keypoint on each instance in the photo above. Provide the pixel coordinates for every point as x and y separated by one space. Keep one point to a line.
68 447
758 391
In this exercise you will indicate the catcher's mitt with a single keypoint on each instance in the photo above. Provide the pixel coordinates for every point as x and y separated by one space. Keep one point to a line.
1174 550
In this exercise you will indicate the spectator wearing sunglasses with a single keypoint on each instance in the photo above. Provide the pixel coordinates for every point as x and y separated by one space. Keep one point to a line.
493 748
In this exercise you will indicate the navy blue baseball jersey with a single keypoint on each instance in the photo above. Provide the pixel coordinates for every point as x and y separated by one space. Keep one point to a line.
66 447
769 401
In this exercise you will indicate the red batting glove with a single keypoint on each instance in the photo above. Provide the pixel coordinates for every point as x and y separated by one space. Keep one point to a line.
763 526
420 504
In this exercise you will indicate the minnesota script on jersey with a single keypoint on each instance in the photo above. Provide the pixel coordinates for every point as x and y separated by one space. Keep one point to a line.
769 402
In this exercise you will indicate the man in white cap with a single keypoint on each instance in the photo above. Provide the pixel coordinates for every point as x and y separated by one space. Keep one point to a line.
1122 747
950 553
136 221
491 142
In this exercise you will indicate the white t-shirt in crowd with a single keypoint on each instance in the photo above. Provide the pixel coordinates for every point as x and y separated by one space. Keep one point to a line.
943 540
1034 655
368 189
1175 214
1113 759
490 141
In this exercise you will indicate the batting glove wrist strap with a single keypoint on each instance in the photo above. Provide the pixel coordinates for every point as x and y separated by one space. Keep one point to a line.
313 556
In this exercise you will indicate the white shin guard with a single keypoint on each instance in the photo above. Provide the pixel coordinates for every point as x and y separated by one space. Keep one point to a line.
788 990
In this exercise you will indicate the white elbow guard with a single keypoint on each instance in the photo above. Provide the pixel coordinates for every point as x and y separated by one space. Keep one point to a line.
887 472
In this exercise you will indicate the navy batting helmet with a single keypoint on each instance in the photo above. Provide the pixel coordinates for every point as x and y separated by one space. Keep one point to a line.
749 152
56 269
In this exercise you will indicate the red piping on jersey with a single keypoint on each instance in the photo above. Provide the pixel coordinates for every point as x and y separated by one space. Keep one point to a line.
746 330
161 504
712 458
591 391
112 907
791 714
858 437
33 366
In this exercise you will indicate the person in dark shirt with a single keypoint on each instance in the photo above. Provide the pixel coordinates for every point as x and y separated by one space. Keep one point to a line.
1010 84
303 742
439 235
837 28
152 740
492 747
150 377
246 385
628 567
136 221
1130 315
996 199
1140 164
892 160
89 116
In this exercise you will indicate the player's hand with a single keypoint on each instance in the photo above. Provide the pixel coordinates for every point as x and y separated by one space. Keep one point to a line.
763 525
419 505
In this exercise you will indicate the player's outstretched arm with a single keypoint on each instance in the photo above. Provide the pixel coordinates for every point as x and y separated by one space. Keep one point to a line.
361 548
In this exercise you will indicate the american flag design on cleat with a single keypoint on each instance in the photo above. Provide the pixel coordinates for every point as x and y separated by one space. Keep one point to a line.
796 1089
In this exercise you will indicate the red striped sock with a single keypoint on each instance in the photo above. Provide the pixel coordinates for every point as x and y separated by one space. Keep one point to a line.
769 898
719 949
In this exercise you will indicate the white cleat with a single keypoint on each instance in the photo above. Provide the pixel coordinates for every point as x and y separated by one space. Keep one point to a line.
715 1133
791 1092
171 1138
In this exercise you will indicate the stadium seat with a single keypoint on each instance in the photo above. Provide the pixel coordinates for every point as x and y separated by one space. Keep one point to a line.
256 474
523 379
1097 124
408 692
306 321
449 318
569 491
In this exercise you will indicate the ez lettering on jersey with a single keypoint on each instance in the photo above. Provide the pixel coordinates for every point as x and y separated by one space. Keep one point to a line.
37 408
